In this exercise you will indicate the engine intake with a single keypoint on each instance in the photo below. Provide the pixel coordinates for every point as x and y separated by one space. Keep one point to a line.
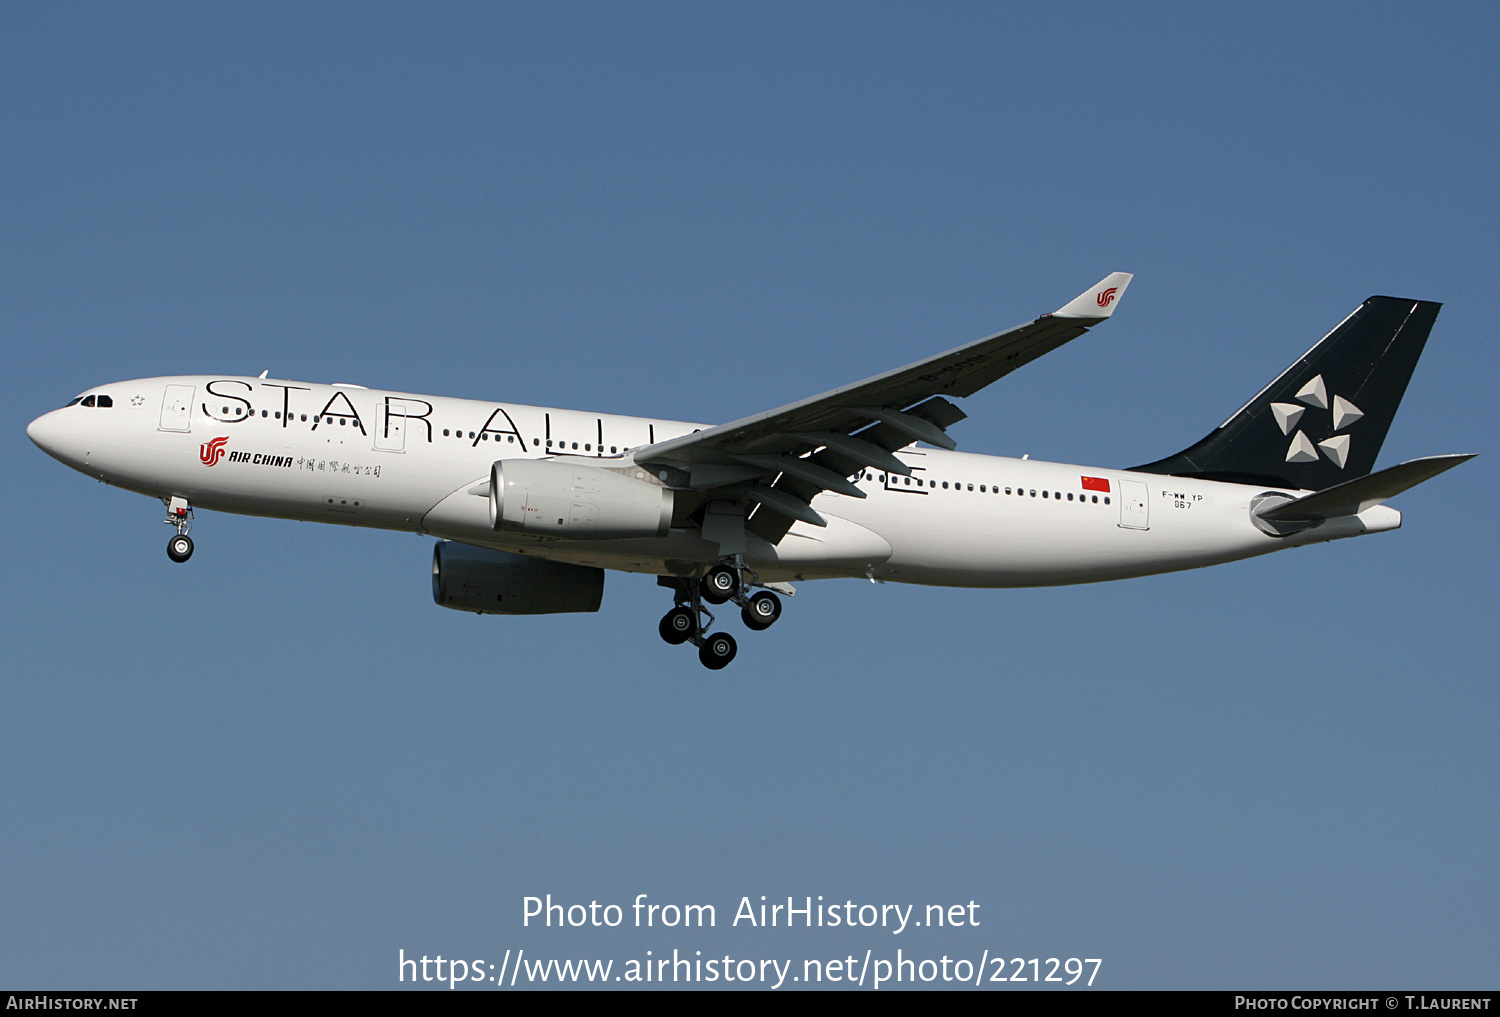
543 496
468 578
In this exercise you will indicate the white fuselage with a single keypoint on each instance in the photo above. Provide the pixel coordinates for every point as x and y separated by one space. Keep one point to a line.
344 454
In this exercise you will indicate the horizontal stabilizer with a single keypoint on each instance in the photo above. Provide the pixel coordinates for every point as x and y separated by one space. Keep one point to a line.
1354 496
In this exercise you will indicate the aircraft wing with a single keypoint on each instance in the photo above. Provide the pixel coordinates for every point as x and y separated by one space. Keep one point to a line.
781 460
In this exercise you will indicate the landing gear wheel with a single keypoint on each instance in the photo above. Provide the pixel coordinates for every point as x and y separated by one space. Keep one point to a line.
678 625
180 548
721 584
761 611
717 651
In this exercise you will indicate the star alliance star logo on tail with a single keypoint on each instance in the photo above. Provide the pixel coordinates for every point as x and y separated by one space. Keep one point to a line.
1315 395
210 452
1107 297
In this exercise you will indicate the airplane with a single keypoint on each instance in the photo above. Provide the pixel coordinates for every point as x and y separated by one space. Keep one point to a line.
531 505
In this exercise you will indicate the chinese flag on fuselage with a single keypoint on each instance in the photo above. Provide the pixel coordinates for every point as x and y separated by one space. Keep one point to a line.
1095 484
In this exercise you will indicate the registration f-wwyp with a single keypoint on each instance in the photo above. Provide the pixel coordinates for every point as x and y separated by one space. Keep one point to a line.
532 505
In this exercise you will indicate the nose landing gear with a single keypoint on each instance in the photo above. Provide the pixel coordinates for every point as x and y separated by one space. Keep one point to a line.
180 515
689 619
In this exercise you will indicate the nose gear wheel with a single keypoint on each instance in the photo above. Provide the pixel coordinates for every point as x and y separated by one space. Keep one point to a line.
180 548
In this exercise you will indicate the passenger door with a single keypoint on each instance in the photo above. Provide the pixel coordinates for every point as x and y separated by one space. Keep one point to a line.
390 426
177 408
1134 509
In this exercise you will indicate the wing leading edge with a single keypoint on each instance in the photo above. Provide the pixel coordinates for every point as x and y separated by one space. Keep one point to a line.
775 463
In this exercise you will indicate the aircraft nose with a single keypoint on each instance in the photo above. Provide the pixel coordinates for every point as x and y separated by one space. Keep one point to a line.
43 431
58 436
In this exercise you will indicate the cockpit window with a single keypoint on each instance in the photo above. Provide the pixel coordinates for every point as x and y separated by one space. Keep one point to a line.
89 401
74 401
106 401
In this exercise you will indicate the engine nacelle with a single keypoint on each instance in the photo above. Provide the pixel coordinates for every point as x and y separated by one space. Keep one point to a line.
558 499
468 578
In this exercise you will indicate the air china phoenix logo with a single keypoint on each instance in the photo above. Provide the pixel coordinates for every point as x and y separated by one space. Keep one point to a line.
210 452
1107 297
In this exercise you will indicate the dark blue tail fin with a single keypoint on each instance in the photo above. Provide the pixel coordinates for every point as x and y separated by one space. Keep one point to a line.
1324 419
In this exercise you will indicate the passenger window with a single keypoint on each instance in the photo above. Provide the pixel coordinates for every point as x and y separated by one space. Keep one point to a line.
537 441
586 447
1096 499
106 401
263 413
575 444
1044 494
611 450
945 485
1106 499
445 432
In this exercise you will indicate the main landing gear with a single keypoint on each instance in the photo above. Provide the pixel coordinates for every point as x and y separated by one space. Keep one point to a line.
689 619
180 515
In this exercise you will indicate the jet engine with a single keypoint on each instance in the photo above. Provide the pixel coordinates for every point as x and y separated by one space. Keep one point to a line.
468 578
559 499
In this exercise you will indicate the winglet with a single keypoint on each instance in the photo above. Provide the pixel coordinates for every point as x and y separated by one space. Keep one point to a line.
1098 301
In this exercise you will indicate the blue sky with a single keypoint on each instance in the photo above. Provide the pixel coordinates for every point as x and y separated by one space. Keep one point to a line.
281 764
